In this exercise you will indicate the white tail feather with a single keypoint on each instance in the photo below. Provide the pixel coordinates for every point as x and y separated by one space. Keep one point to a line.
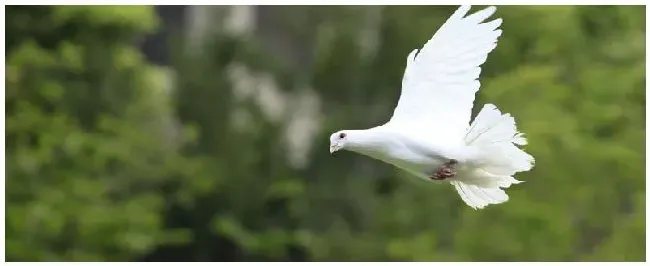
478 197
496 135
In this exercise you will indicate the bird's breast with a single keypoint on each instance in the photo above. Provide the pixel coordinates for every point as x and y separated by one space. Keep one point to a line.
411 161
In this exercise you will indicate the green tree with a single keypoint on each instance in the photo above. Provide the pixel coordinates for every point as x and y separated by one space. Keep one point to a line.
87 153
95 171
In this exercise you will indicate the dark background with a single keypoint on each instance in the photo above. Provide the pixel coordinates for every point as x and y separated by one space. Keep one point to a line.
201 134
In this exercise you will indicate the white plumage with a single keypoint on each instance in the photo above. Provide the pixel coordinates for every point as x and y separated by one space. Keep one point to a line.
430 125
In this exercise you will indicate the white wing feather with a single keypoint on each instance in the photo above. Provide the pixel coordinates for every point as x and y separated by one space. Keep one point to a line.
440 82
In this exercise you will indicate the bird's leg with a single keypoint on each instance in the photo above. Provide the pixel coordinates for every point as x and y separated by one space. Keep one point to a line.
445 171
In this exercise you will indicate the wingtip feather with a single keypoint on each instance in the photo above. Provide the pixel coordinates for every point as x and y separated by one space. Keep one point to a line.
460 12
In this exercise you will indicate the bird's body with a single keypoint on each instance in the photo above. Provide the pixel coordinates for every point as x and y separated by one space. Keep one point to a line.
420 156
429 134
417 157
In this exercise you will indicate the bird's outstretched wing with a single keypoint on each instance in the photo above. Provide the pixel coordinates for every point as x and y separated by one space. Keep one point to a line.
440 82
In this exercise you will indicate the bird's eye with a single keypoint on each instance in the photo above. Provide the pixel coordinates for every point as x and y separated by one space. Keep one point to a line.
342 135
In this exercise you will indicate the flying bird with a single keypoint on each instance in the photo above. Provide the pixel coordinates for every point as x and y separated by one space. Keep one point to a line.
430 135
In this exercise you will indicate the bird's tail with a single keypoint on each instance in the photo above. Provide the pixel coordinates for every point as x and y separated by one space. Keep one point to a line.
495 135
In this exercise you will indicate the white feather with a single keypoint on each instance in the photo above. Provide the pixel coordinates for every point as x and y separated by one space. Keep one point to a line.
430 124
439 84
495 135
438 92
478 197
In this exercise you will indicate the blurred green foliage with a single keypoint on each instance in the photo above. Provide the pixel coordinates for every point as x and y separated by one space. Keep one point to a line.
95 171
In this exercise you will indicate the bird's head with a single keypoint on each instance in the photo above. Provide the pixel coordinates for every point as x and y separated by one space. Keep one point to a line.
339 140
361 141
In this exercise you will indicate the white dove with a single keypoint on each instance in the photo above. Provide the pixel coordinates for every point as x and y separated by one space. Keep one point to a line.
429 134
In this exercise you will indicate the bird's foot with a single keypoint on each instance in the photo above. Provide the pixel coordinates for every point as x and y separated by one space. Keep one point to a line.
447 170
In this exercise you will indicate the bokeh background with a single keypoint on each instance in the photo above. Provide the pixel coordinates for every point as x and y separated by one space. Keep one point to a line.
190 133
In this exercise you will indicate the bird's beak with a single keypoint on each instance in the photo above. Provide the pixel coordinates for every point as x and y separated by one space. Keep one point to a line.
334 148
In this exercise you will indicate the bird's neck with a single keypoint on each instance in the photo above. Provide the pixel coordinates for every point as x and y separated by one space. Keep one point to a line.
369 141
